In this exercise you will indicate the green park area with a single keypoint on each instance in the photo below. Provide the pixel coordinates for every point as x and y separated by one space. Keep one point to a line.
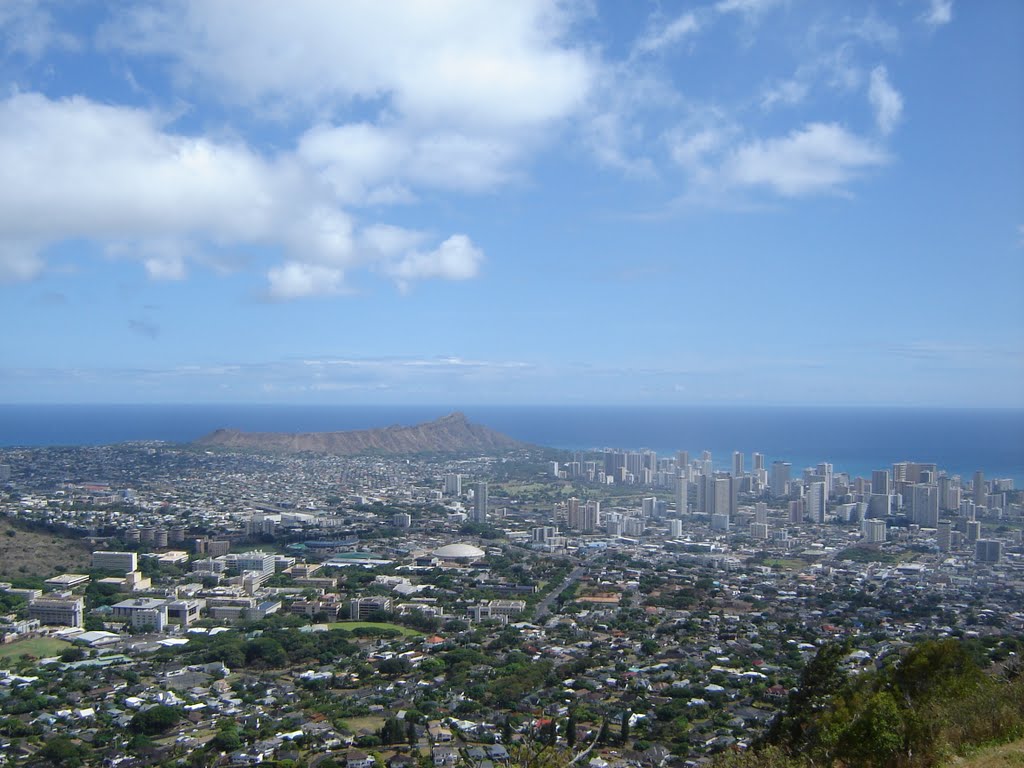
352 626
39 647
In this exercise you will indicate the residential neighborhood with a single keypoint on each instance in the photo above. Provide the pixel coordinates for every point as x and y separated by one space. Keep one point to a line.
221 607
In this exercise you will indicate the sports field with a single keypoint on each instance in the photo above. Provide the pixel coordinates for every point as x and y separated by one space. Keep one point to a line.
40 647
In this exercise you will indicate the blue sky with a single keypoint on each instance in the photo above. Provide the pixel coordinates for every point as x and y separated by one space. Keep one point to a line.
469 202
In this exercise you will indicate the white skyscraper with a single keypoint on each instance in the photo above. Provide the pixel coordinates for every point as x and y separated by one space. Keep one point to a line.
761 512
815 498
737 464
453 484
925 505
682 494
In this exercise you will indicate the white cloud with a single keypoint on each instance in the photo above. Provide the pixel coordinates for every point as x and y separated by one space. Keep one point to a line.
367 164
19 261
939 12
154 196
455 259
27 29
885 100
747 7
665 36
163 259
820 157
610 136
785 92
697 147
295 280
509 68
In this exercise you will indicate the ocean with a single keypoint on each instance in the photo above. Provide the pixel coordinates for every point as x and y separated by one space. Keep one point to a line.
854 440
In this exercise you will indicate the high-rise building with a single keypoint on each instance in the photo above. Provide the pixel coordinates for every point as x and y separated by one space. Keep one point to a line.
761 512
572 513
682 494
590 516
988 551
724 499
944 536
719 522
258 561
815 499
796 511
737 464
879 505
880 482
973 531
758 462
649 506
480 503
633 526
63 611
779 481
361 608
120 562
979 490
824 470
453 484
542 533
675 528
683 462
873 530
925 505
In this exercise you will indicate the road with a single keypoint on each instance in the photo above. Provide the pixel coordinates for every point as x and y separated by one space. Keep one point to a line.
544 606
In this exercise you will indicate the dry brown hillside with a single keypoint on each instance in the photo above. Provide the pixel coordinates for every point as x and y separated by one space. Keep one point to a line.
28 553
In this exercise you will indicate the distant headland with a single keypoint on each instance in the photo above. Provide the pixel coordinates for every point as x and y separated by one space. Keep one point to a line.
453 434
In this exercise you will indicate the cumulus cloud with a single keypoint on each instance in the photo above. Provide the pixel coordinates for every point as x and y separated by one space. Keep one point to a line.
154 196
296 280
820 157
939 12
885 100
456 259
509 68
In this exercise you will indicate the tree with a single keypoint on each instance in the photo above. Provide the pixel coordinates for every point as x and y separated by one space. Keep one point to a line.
63 752
624 727
72 654
570 730
155 720
821 679
265 652
602 735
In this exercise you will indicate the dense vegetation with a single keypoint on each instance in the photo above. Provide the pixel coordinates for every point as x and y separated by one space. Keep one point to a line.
917 709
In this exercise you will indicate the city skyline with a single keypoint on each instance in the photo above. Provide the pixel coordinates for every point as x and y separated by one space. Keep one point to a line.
736 202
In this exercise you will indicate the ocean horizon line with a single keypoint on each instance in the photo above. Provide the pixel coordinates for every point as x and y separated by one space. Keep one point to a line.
453 407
